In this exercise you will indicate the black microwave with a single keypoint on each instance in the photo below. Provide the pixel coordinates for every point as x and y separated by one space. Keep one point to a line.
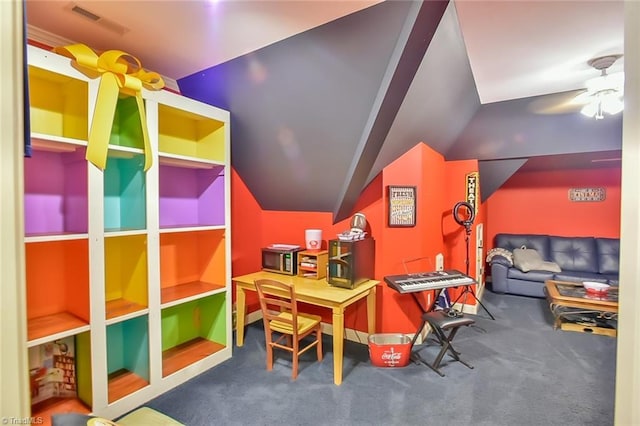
283 260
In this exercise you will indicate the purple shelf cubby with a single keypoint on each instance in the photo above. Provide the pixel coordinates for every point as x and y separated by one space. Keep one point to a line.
191 197
55 199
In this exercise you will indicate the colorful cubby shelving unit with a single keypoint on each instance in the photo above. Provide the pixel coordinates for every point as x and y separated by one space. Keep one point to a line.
134 266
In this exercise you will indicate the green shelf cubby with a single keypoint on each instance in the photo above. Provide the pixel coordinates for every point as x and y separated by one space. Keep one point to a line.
83 368
192 331
127 127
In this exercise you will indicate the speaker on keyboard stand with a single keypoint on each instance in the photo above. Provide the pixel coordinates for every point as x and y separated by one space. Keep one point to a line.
466 220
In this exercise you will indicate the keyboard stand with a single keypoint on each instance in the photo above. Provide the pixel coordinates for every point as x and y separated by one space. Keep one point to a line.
468 289
439 320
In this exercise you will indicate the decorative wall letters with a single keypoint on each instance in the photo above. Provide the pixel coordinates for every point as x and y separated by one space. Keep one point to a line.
587 194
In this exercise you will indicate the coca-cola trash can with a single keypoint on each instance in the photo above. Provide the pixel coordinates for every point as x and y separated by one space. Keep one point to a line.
389 349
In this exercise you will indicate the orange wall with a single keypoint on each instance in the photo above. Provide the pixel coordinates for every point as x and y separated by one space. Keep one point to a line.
288 227
412 249
254 228
538 203
246 224
439 186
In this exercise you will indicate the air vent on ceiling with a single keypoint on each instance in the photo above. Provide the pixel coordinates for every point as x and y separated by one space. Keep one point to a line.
85 13
99 20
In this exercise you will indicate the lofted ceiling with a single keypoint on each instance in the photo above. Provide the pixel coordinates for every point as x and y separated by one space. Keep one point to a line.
325 94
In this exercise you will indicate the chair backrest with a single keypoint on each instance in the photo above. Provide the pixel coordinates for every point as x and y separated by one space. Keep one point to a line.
276 297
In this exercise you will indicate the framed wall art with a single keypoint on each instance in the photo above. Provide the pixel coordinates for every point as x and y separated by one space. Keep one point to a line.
402 206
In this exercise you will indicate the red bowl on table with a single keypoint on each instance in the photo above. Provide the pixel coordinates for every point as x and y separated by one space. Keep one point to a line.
595 287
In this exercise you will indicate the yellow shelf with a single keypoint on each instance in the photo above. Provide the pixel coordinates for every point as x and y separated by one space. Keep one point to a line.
59 104
190 135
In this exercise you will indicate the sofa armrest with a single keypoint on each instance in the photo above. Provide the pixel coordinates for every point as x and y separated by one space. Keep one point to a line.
501 260
499 268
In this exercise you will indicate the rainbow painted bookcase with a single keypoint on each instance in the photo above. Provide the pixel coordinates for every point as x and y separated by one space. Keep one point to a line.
133 266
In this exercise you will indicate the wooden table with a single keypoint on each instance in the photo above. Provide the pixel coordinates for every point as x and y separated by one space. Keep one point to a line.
569 300
319 293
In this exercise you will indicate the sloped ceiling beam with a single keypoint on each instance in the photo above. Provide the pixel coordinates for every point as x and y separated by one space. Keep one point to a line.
415 37
494 173
441 101
510 129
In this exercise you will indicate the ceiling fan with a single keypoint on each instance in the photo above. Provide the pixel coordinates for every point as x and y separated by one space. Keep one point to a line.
603 94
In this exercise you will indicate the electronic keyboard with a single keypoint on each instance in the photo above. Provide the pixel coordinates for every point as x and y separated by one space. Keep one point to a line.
422 281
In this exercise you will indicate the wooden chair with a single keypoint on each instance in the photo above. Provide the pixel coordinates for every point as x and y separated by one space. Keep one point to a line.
280 316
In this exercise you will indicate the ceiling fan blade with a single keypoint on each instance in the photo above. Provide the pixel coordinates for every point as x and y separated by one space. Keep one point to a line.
557 103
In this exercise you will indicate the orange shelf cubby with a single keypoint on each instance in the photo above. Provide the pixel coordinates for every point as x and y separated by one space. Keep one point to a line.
191 263
57 287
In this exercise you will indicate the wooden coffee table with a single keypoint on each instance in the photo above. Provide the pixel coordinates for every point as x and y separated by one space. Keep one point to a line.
576 310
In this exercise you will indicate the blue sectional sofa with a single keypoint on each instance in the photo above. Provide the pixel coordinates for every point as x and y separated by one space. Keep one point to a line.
576 258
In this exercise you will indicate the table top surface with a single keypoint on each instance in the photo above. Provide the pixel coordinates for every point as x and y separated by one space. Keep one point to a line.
310 289
570 293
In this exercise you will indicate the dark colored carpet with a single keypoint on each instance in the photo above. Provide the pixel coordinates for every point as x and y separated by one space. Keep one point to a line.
525 373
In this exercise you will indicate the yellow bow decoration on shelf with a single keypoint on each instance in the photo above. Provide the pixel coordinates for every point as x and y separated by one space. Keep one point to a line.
119 72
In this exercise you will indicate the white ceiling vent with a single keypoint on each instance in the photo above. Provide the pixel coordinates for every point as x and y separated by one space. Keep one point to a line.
99 20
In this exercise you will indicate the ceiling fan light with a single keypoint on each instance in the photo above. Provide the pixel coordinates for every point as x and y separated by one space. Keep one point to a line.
604 93
590 109
609 103
612 105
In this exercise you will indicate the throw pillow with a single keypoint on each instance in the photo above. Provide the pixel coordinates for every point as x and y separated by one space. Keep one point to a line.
549 266
530 260
526 259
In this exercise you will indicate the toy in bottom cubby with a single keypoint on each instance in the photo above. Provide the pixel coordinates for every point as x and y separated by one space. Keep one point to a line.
313 264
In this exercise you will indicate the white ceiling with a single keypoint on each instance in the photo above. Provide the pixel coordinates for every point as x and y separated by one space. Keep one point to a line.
516 48
519 49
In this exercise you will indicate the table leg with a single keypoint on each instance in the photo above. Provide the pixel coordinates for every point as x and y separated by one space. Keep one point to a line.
371 311
338 344
240 315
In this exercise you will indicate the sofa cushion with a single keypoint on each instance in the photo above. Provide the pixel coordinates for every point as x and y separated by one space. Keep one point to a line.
541 276
608 255
539 243
574 253
578 276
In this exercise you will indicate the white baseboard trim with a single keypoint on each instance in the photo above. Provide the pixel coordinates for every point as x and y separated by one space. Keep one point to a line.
253 317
